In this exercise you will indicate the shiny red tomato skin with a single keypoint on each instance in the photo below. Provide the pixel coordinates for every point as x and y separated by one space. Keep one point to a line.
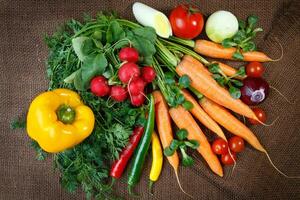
186 21
227 158
236 144
255 69
260 114
219 146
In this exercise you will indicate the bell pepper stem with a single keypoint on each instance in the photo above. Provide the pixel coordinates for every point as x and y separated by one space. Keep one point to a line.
66 114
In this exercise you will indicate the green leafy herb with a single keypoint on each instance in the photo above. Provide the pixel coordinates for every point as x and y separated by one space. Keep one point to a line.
77 52
18 124
182 143
192 144
187 105
243 39
187 160
40 153
184 81
114 32
235 92
182 134
168 151
238 56
226 81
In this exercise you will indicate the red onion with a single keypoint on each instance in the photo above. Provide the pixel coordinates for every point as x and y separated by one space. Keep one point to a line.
254 90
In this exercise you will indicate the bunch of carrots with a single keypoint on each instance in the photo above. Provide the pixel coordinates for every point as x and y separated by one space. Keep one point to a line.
191 96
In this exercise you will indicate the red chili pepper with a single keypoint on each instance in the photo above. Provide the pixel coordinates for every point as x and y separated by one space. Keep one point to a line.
119 165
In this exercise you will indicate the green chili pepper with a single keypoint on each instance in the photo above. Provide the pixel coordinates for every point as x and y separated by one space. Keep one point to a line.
142 149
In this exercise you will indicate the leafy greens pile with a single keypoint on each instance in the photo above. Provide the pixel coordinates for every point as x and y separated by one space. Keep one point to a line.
78 52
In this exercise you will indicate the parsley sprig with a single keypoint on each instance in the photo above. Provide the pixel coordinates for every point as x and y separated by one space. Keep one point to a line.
243 39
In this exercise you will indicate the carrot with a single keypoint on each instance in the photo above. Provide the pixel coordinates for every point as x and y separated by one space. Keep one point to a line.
202 116
164 128
184 120
226 69
215 50
204 83
229 122
233 125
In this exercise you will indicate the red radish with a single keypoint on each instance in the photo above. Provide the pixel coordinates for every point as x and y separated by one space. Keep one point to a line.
137 100
148 74
129 54
118 93
99 86
128 71
136 86
228 159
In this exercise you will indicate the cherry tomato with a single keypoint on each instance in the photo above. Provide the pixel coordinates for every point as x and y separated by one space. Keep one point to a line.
260 114
220 146
227 158
255 69
236 144
186 21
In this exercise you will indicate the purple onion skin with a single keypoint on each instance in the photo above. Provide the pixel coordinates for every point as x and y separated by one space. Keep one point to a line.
254 90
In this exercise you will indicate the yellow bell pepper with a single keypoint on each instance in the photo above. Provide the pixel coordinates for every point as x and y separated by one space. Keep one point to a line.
157 160
59 120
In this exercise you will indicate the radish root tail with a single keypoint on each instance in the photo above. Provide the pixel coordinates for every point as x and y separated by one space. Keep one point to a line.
281 49
179 184
283 174
282 95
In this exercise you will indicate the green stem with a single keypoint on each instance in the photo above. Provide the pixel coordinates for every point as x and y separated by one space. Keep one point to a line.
150 187
166 56
185 51
88 28
198 94
189 43
128 23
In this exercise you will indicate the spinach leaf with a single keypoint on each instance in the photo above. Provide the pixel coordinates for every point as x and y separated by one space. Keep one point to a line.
143 39
78 43
94 64
114 32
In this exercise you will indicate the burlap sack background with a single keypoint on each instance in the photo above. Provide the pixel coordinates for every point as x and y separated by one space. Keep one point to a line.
22 76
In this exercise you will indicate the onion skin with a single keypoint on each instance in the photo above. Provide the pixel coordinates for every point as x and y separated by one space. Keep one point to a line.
254 90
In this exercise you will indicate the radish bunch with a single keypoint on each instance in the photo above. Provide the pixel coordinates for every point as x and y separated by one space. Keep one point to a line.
134 79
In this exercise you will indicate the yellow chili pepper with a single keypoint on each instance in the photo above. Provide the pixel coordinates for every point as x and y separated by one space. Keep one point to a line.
157 160
59 120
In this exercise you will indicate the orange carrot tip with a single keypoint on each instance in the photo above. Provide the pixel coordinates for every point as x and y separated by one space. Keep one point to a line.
278 170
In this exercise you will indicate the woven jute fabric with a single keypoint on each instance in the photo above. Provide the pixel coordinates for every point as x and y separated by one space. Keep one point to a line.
22 76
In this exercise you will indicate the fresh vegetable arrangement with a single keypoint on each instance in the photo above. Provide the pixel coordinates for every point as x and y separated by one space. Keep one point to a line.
115 83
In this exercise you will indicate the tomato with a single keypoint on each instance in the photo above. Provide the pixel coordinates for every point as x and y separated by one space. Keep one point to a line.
236 144
186 21
227 158
219 146
255 69
260 114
